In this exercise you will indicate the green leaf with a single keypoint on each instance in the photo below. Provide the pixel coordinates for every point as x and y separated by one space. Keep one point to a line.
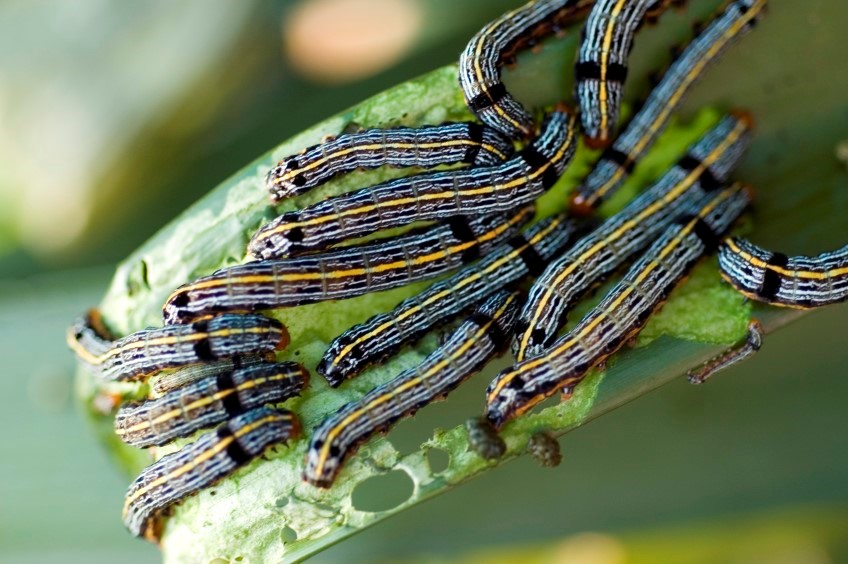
265 512
270 492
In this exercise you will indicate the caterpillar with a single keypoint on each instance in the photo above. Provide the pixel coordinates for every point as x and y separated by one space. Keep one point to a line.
774 278
207 402
476 341
704 168
383 334
601 68
347 272
212 457
151 350
424 147
497 43
618 160
470 191
620 315
169 380
753 342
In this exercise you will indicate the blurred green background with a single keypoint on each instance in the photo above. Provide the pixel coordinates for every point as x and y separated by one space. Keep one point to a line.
114 116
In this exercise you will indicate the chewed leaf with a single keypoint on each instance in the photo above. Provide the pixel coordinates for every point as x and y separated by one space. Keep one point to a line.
265 512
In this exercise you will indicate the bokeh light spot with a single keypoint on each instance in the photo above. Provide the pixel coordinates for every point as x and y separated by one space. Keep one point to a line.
336 41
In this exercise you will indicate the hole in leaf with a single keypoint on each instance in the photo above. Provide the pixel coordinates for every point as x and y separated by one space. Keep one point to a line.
408 435
287 534
268 213
143 270
383 492
326 507
138 281
352 127
282 502
438 459
552 401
